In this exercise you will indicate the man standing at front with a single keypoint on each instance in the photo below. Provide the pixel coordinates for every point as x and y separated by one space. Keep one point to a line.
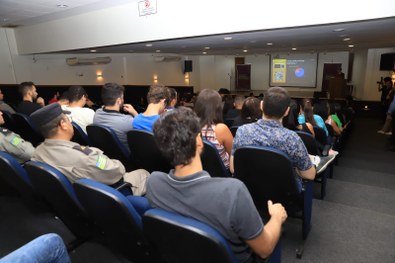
223 203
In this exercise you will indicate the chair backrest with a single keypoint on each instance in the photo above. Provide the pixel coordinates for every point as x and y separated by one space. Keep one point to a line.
59 193
268 175
26 130
115 215
229 122
13 174
212 162
80 136
233 130
310 142
182 239
8 120
105 139
145 152
320 135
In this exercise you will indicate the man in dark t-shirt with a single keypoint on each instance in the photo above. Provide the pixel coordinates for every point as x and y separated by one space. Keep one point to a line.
29 95
223 203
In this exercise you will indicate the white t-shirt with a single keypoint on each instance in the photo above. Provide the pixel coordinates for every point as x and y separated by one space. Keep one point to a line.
82 116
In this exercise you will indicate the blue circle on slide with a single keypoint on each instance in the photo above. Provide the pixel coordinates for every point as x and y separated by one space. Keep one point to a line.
299 72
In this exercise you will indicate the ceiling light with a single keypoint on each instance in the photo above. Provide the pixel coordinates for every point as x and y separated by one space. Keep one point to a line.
157 51
338 30
148 45
350 45
245 50
204 52
62 5
93 50
294 48
227 38
253 41
269 44
206 48
347 39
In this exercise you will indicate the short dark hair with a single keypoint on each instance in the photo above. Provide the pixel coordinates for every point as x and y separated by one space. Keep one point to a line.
50 129
251 110
157 93
110 92
64 95
275 102
208 107
175 134
75 93
386 79
24 87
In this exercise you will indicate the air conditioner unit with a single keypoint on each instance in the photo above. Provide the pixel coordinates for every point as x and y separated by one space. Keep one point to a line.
87 61
167 58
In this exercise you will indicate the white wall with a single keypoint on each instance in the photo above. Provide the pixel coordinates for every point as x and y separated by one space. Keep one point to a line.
208 71
179 19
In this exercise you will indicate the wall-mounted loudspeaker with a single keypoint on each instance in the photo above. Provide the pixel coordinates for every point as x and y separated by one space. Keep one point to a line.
187 66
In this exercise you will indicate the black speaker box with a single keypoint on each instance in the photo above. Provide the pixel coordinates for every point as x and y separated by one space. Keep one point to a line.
187 66
387 61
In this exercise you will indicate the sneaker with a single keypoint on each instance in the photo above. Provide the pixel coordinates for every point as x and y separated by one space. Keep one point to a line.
380 131
324 162
388 133
333 152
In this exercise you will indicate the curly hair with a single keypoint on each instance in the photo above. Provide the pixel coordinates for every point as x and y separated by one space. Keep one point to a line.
175 134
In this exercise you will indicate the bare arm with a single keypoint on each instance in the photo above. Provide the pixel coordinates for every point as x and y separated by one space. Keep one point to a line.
130 109
224 136
264 244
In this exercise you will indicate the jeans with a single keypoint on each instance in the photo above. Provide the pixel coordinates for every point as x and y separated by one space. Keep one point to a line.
48 248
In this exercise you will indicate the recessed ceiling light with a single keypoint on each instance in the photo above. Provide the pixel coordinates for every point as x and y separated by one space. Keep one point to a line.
269 44
204 52
206 48
294 48
253 41
93 50
62 5
227 38
148 45
245 50
347 39
157 51
350 45
338 30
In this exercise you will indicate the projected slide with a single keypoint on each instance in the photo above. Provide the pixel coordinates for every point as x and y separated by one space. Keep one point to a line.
294 70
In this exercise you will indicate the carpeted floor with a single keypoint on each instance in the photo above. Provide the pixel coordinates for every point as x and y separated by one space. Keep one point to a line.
355 222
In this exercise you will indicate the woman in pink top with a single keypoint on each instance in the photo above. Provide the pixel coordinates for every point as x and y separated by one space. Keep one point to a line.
208 107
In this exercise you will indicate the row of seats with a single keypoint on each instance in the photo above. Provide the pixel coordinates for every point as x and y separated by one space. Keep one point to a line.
131 228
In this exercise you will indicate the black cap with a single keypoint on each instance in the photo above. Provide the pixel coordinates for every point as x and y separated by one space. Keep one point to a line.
46 114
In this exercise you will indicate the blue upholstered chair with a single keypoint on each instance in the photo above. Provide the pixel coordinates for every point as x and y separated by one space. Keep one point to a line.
24 127
119 218
105 139
80 136
145 153
269 175
182 239
12 173
212 162
59 193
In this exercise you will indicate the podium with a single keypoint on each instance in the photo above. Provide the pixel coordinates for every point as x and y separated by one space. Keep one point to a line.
337 87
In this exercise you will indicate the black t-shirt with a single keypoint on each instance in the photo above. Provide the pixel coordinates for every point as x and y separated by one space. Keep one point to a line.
27 107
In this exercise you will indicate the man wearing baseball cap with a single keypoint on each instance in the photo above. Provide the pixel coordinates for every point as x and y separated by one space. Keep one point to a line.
76 161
